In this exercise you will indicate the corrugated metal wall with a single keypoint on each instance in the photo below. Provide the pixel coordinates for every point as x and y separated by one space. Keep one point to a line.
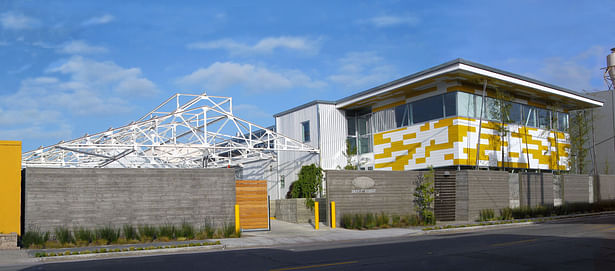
263 170
290 125
332 136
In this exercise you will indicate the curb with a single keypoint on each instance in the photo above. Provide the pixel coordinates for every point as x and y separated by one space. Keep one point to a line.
109 255
493 224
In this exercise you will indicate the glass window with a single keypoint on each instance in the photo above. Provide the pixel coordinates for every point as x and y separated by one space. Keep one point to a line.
384 120
364 124
352 144
365 145
465 104
450 104
352 125
562 121
305 131
529 115
492 109
427 109
402 115
515 113
543 118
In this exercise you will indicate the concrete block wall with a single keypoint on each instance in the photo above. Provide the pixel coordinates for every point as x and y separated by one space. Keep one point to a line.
576 188
8 241
391 193
94 198
535 189
478 190
605 187
295 211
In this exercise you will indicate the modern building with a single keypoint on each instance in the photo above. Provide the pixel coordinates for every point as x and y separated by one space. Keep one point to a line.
601 137
433 118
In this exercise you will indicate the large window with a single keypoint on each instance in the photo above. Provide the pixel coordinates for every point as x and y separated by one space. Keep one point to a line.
427 109
402 115
450 104
305 131
359 137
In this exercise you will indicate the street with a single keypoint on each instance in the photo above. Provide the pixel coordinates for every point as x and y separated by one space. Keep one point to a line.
572 244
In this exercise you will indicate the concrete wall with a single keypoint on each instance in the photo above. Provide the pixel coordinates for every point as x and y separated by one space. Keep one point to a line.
606 186
8 241
97 197
388 191
478 190
295 211
575 188
535 189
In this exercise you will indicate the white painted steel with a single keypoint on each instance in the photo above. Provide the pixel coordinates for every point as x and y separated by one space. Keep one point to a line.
333 130
185 131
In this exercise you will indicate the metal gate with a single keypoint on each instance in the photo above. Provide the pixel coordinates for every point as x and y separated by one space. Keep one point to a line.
445 188
251 196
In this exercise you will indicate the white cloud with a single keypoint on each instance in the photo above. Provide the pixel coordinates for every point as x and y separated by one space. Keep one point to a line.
17 21
222 75
361 69
390 20
79 47
107 18
90 74
580 72
266 45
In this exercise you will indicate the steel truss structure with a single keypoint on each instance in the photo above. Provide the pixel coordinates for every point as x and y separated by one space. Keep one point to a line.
185 131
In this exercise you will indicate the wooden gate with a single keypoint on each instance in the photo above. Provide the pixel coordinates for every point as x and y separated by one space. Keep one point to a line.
251 196
445 188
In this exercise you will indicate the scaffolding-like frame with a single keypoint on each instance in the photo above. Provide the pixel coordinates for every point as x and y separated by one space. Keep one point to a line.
185 131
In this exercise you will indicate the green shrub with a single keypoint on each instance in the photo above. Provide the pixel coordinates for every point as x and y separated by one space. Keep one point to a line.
207 230
186 230
34 237
370 221
346 221
424 195
396 219
414 220
486 215
506 214
108 233
382 220
167 230
84 235
228 230
63 235
148 232
130 232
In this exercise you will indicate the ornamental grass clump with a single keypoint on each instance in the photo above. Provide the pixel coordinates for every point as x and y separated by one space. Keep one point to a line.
34 238
186 230
63 235
148 233
166 232
108 233
84 236
130 232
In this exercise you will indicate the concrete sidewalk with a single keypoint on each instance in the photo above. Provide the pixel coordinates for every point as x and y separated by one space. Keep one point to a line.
282 233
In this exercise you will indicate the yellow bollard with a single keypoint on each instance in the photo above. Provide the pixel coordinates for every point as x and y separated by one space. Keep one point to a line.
333 214
316 215
237 218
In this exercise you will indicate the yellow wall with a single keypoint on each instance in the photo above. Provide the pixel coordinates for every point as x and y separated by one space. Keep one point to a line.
10 187
452 141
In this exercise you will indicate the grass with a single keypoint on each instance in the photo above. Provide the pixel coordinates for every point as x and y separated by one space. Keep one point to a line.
147 232
34 237
63 235
84 235
186 230
130 232
378 221
167 230
108 233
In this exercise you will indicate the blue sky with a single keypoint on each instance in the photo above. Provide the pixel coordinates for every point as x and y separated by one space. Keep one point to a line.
74 67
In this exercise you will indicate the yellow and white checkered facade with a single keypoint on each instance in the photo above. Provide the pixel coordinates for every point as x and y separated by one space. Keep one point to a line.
453 141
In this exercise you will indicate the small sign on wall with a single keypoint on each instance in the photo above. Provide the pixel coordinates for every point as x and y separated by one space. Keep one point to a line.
363 185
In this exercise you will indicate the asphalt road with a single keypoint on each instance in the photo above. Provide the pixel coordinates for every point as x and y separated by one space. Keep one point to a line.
581 244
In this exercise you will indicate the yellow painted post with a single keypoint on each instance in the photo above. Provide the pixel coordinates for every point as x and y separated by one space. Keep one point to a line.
316 220
10 187
237 218
333 214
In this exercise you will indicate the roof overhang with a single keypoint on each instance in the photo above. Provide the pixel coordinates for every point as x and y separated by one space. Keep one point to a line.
464 66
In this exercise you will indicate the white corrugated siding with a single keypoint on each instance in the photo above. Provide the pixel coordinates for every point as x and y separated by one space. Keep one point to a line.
263 170
290 125
332 136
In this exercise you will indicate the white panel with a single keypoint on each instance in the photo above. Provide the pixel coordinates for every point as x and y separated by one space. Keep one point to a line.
332 136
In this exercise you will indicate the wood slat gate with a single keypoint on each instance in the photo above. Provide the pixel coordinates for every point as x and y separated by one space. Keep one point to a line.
251 196
445 188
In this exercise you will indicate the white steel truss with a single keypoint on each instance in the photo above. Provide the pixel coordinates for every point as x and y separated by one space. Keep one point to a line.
185 131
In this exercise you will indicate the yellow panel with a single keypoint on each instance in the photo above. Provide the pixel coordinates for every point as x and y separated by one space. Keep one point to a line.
10 187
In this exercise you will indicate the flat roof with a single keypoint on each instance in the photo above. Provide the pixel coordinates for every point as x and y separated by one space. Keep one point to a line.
465 65
296 108
458 64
